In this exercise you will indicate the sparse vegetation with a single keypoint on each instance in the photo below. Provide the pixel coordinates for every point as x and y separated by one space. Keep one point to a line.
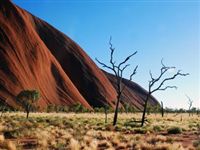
89 131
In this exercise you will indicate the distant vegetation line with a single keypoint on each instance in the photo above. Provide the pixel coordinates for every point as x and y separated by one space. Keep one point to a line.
79 108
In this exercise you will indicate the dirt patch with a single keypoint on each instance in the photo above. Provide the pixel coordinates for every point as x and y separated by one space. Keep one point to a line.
186 138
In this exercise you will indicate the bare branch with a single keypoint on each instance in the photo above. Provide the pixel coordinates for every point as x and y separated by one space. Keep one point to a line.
162 62
111 58
163 70
127 58
133 73
188 97
124 67
189 101
104 65
112 52
162 89
165 67
110 43
152 79
121 70
171 78
131 76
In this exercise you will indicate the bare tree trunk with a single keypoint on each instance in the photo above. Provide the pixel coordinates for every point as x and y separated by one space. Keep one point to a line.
116 110
144 111
162 109
27 113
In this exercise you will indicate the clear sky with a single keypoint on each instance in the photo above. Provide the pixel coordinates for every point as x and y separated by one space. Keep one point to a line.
167 29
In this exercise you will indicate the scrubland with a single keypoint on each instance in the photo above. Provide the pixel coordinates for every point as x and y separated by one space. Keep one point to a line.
88 131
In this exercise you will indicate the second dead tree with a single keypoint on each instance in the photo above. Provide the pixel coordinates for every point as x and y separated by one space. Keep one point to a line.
164 69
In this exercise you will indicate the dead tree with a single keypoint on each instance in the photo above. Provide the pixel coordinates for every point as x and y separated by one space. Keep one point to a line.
164 69
118 70
190 104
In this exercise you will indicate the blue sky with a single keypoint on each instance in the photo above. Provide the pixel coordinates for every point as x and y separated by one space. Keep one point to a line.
168 29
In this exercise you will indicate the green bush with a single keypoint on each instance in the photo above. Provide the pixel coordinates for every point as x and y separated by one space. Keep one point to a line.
174 130
28 100
50 108
107 108
60 108
78 108
57 108
157 128
99 109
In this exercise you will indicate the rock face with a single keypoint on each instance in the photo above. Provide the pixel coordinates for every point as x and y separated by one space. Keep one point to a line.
35 55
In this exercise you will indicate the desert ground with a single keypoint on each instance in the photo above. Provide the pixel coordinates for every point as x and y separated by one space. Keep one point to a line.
88 131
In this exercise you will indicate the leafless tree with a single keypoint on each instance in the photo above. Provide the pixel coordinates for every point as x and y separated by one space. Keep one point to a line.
118 70
190 104
164 69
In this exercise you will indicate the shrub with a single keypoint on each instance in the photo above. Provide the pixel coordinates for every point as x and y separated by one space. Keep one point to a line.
132 123
156 139
57 108
103 109
140 131
169 140
78 108
28 99
97 109
196 144
174 130
50 108
157 128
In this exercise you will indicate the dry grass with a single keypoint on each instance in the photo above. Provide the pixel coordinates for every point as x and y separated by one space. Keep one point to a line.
88 131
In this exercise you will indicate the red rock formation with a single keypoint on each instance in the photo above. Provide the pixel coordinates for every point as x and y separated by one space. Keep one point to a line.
84 73
35 55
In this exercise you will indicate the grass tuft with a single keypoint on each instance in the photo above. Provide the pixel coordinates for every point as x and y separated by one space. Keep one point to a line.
174 130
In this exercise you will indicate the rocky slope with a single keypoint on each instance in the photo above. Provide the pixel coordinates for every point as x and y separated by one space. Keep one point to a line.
35 55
